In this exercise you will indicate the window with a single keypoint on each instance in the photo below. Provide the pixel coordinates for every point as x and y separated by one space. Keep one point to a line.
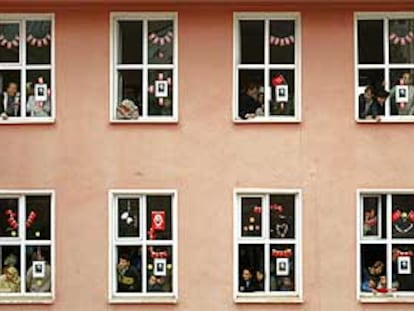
144 67
267 67
384 67
26 247
385 245
26 68
267 261
143 263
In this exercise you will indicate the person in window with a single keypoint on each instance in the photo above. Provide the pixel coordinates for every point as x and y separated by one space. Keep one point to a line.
39 284
247 283
36 108
127 110
10 102
403 108
248 101
260 280
366 101
128 277
260 100
10 280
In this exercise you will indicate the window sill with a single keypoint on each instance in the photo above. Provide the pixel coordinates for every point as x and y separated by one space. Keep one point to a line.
270 299
144 300
387 298
268 120
30 120
26 300
388 120
146 121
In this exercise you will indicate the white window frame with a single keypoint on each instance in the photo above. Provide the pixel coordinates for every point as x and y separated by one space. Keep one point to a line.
30 298
394 297
143 297
267 16
267 297
145 67
22 66
386 66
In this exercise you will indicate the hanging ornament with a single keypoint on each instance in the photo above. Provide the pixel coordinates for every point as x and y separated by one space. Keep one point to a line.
153 254
161 40
38 33
278 80
161 88
31 219
9 36
12 219
287 253
401 39
158 220
257 210
281 41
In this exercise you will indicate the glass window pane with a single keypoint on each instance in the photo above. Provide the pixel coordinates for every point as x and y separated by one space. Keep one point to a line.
160 269
252 42
401 41
10 278
38 217
130 42
374 217
373 268
11 98
402 92
282 216
129 269
9 218
9 42
282 84
282 268
38 93
129 106
251 84
38 38
372 96
160 92
402 268
159 224
38 269
128 218
160 42
251 224
251 268
282 42
402 216
370 42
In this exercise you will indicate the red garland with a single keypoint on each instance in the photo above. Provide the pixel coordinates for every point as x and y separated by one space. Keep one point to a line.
405 40
276 207
39 42
30 220
405 254
155 39
163 254
9 44
282 41
287 253
257 210
12 220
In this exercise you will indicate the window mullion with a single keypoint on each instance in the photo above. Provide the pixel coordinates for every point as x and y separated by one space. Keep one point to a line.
266 70
145 69
389 240
22 235
387 69
23 70
144 244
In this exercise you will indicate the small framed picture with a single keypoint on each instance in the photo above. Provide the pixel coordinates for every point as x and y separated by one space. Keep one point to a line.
161 89
282 93
38 269
401 93
282 266
404 265
160 267
40 92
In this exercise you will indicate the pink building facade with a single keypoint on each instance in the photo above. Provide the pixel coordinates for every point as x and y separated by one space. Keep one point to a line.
191 179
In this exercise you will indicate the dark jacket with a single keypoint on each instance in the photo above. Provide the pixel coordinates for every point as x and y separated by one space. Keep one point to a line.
247 104
12 105
129 280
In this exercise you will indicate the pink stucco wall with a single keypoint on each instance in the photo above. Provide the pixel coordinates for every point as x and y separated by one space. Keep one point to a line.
205 156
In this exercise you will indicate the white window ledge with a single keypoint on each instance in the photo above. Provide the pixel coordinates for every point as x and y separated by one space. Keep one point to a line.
270 299
26 300
30 120
387 298
146 121
388 120
268 120
143 300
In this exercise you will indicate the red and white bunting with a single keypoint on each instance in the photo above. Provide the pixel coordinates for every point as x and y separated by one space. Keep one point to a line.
282 41
161 41
401 40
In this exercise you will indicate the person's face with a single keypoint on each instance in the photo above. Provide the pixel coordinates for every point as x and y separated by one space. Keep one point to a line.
260 97
406 78
371 284
253 92
247 276
123 263
368 95
152 280
12 89
382 280
381 100
259 276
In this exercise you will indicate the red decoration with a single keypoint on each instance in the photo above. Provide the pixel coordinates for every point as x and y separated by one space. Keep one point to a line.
163 254
282 41
278 80
12 220
151 88
276 207
402 40
405 254
30 220
396 215
157 40
282 253
257 209
158 220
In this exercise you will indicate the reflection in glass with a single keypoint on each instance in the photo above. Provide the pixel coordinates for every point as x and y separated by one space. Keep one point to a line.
282 42
251 268
129 104
38 38
160 42
160 93
9 43
160 269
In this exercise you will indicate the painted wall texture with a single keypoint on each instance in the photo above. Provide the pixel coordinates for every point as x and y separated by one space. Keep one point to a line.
205 156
